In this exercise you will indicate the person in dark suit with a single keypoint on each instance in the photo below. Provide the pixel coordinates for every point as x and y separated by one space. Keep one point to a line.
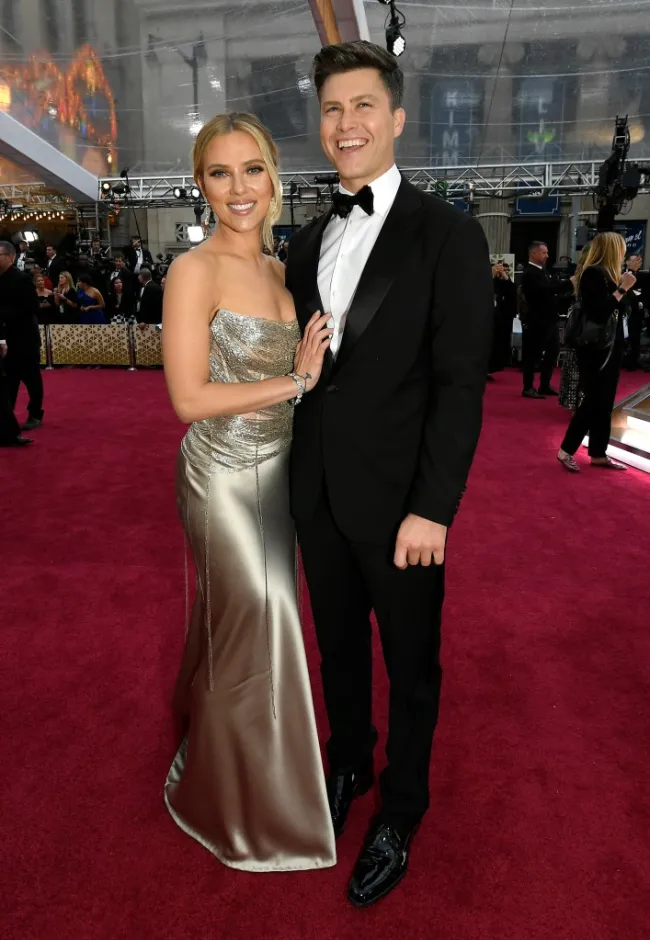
505 310
150 301
540 342
19 316
129 282
638 301
24 259
137 257
54 266
383 445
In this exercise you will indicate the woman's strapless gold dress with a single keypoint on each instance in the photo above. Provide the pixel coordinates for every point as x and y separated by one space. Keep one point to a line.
247 781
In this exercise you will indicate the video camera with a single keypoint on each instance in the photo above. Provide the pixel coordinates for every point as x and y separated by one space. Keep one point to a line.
618 180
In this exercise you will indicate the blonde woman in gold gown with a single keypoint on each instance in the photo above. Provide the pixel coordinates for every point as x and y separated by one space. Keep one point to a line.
247 781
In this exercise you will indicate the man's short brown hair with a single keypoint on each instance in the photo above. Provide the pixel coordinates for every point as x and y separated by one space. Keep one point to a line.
351 56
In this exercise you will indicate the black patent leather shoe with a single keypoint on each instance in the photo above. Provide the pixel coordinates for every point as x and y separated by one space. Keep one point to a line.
343 786
548 390
382 864
19 441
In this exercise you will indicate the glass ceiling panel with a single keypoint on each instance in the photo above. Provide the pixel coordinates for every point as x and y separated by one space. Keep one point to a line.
502 81
115 83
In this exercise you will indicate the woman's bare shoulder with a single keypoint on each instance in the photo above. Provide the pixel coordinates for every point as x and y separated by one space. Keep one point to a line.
194 261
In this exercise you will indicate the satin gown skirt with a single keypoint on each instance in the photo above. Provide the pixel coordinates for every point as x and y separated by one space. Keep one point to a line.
247 781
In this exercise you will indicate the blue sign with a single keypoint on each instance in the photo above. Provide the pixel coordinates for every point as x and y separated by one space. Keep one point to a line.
634 235
547 206
460 204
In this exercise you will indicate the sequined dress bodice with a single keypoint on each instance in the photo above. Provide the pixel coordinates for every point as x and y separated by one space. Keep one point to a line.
245 349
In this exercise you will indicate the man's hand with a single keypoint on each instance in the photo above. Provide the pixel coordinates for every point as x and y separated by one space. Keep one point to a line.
420 542
3 350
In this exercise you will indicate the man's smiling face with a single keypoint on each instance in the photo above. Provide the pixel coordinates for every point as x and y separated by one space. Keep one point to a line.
358 126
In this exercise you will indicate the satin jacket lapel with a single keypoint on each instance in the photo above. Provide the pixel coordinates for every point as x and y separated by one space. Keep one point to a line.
393 244
310 257
309 275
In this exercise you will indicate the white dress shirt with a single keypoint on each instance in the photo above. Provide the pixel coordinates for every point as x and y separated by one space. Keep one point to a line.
139 259
345 249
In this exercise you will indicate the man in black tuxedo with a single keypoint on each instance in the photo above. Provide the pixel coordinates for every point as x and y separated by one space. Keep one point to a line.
384 443
130 283
19 318
137 257
150 301
540 341
54 265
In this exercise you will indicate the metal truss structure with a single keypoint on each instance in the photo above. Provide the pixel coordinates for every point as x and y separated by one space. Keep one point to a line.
33 196
498 180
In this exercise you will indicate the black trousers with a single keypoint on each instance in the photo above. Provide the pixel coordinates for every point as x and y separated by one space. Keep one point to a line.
594 415
23 365
9 427
346 581
539 347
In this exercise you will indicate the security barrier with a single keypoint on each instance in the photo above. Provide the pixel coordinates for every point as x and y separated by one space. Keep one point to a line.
112 344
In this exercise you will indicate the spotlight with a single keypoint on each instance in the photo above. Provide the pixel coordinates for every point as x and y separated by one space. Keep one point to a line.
195 192
179 192
395 42
106 187
195 233
30 236
121 189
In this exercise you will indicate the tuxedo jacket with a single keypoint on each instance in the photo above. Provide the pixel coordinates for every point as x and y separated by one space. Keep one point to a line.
392 425
151 304
19 311
539 289
131 258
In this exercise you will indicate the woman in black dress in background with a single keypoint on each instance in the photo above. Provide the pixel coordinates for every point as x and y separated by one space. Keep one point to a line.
601 290
121 303
65 299
46 309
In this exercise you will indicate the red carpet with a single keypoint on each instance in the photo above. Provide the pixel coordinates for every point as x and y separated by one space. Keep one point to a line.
540 819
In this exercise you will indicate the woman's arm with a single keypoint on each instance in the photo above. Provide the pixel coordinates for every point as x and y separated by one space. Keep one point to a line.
188 303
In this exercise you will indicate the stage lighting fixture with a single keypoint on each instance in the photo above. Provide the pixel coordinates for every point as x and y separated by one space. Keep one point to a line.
121 189
395 42
195 233
106 187
195 192
30 236
180 192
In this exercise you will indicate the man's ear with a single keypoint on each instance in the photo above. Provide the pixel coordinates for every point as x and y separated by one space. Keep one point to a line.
399 120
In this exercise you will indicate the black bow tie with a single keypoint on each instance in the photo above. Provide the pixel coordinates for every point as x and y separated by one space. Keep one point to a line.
344 204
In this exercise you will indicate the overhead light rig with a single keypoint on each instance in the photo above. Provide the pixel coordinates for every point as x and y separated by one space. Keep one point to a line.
501 181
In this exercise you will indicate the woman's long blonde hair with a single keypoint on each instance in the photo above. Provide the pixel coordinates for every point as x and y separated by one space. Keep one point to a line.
68 280
223 124
607 251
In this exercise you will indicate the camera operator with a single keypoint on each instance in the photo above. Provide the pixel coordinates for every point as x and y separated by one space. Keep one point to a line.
505 310
160 269
98 255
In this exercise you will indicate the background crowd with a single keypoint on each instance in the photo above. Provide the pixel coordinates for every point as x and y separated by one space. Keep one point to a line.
91 284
